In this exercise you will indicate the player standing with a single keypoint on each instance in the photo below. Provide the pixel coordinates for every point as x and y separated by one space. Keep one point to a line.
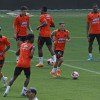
26 52
61 37
3 42
93 23
20 25
46 22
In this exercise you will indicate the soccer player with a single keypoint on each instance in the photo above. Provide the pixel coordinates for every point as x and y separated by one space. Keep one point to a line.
46 22
31 93
26 52
61 37
93 23
3 42
20 25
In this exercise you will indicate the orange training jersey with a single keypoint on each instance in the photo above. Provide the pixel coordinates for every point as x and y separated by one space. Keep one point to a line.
94 19
45 31
60 38
24 60
21 25
3 42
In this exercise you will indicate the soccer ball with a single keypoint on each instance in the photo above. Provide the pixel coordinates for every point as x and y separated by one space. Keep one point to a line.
75 75
50 61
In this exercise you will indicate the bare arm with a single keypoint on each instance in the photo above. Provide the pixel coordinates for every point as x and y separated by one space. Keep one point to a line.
44 24
14 31
32 52
18 52
53 34
69 38
87 29
1 54
29 27
52 25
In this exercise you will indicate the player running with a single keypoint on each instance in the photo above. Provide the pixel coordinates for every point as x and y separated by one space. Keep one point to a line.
3 42
20 25
61 37
93 23
26 52
46 22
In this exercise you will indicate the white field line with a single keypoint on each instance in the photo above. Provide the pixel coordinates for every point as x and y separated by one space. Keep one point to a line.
71 66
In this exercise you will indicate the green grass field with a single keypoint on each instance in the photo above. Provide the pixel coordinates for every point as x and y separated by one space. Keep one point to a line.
87 87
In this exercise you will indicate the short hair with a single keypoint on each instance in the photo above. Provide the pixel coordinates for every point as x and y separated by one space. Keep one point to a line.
61 23
0 36
44 8
29 36
23 8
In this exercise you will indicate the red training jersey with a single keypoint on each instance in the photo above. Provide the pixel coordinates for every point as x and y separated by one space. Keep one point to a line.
45 31
24 60
60 38
3 42
94 19
21 23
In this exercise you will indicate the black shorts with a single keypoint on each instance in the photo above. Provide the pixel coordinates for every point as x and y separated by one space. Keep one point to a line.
18 70
1 64
59 53
92 37
21 38
41 40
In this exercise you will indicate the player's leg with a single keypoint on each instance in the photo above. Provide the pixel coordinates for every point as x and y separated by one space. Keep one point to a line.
91 39
27 72
40 52
98 40
19 42
49 45
1 75
16 74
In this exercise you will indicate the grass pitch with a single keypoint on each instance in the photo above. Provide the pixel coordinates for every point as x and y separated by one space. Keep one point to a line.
87 87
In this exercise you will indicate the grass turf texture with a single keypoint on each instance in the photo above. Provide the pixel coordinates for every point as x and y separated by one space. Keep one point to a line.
87 87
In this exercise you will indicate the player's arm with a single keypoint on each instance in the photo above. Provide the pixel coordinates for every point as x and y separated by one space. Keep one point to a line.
87 29
44 24
52 25
18 52
1 54
32 52
14 31
68 38
29 27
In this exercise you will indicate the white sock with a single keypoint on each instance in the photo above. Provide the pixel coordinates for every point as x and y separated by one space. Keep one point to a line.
58 68
53 70
41 60
23 89
90 54
17 58
54 58
7 90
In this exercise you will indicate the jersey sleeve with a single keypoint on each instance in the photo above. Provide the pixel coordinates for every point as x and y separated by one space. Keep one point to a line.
42 19
15 21
7 42
88 18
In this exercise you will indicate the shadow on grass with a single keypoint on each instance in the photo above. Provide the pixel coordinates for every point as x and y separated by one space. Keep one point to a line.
60 78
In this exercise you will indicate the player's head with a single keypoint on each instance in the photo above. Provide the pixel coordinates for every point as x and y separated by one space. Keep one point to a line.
95 7
31 92
62 26
43 9
30 38
23 10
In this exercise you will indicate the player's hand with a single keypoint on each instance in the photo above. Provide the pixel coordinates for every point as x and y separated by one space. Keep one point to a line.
1 54
88 36
15 36
54 42
38 28
31 31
